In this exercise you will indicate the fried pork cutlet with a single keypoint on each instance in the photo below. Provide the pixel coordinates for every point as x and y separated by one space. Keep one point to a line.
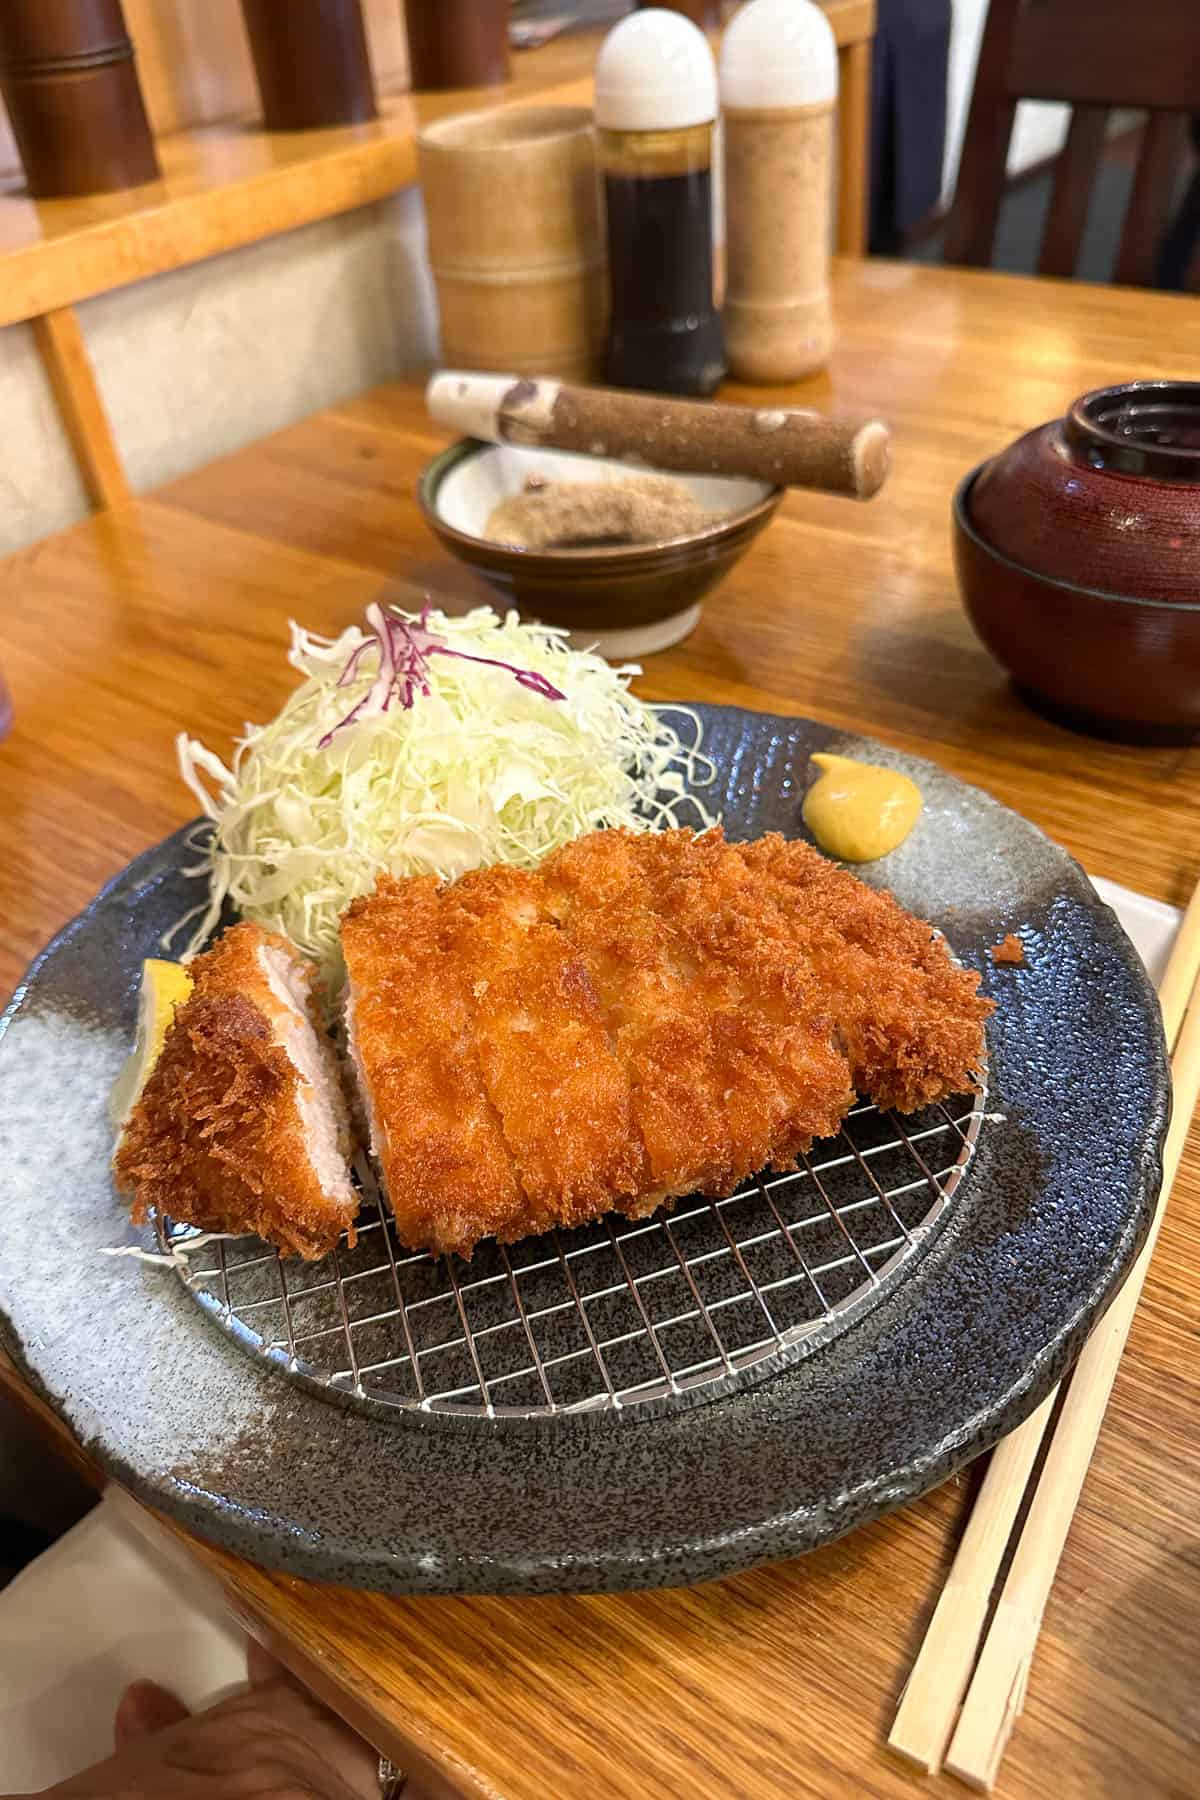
908 1017
242 1124
410 1027
728 1046
549 1065
496 1104
643 1016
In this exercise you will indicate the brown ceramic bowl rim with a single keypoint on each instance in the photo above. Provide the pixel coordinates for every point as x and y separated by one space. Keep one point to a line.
617 557
962 519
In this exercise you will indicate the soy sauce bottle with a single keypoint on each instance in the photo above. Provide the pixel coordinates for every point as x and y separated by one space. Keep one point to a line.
656 108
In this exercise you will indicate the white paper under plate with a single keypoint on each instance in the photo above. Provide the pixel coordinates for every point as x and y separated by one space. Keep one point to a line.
1151 924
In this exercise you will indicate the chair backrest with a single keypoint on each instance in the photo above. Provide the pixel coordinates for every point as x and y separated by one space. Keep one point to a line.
1095 55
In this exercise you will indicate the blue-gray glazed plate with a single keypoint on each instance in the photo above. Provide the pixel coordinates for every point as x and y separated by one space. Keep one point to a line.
938 1326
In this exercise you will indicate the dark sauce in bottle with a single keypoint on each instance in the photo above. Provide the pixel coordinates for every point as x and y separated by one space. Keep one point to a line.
664 332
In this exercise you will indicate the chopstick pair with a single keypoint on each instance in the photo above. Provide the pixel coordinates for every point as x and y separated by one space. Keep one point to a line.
930 1729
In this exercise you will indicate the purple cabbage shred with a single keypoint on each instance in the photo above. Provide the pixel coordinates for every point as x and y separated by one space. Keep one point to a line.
403 673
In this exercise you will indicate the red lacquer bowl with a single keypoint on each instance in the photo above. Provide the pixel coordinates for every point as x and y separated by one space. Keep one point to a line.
1078 558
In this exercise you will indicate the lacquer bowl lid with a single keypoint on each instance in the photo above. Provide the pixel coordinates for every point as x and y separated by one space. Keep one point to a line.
1107 497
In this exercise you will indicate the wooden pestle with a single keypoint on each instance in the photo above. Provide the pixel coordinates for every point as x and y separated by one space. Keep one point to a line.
786 446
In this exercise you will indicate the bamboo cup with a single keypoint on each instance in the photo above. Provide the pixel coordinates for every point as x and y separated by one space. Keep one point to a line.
515 239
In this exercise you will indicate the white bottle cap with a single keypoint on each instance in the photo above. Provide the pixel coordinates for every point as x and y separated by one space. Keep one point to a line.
655 72
778 53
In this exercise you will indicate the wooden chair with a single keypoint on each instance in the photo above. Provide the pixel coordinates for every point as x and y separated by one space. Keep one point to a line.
1095 55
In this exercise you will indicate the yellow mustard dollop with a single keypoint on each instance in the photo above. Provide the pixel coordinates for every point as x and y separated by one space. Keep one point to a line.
859 811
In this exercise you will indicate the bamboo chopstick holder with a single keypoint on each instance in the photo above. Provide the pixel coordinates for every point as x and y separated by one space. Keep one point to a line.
940 1675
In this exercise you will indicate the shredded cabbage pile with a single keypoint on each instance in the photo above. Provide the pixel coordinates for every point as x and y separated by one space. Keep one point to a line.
399 752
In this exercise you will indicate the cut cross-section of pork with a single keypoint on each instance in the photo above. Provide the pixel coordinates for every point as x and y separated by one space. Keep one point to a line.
242 1124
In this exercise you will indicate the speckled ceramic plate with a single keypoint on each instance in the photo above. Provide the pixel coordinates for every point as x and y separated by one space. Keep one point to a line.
962 1296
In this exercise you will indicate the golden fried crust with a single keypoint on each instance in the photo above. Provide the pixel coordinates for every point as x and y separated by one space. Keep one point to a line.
232 966
216 1139
786 1079
642 1016
657 1021
909 1018
550 1070
448 1172
732 1066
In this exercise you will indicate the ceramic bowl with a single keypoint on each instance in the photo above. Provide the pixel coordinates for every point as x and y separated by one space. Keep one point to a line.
629 599
1078 559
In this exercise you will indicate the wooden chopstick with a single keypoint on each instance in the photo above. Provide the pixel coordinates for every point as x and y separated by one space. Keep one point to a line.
1183 966
930 1703
997 1689
933 1695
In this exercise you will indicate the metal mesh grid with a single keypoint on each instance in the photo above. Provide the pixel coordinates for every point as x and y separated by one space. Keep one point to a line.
615 1314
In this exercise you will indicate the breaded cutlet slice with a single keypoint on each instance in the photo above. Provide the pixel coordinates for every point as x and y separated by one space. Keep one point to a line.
656 1020
730 1059
550 1070
787 1077
908 1016
605 1033
641 1017
242 1124
496 1106
410 1029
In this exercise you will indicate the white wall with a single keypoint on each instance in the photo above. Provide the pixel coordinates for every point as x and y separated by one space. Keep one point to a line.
40 489
200 361
1040 128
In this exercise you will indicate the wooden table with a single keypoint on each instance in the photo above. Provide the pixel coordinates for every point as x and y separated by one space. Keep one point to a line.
169 613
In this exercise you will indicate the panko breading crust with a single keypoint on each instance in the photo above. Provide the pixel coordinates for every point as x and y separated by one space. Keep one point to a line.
642 1016
216 1138
411 1023
908 1017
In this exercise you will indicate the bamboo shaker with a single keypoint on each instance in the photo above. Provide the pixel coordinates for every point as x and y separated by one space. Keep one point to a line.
69 80
311 62
457 43
778 74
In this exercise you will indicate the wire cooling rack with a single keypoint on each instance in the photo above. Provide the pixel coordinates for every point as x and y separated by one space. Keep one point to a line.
615 1315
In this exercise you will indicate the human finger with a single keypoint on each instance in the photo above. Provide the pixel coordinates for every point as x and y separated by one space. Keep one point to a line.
145 1707
261 1666
276 1695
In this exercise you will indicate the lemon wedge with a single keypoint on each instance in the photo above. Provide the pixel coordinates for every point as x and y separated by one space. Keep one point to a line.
165 985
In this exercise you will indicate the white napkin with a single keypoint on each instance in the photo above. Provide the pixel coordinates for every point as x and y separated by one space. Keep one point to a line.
115 1601
101 1608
